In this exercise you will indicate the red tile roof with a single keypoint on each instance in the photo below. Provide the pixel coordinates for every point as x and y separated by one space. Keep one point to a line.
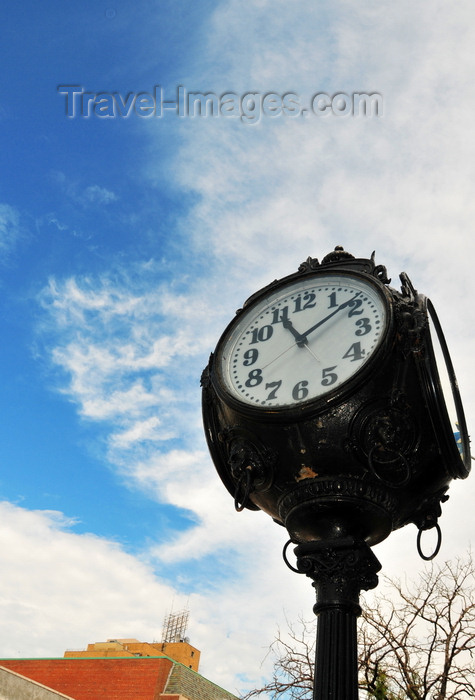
98 679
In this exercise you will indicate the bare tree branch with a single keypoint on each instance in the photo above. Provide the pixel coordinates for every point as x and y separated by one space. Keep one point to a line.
416 641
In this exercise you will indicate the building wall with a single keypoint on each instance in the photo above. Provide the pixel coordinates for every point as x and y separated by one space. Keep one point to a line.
182 652
16 687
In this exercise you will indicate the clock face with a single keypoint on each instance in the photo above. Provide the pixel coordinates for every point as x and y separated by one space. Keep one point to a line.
303 340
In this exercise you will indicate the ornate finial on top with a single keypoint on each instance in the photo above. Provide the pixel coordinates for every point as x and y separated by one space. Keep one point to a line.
380 271
336 255
309 264
341 258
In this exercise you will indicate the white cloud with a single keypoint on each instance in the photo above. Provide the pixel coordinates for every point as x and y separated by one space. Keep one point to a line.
129 353
402 181
62 590
141 431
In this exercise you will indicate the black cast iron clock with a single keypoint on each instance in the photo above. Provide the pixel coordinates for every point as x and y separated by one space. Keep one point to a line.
331 404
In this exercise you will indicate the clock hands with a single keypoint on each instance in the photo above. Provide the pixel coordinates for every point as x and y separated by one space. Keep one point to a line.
303 336
301 339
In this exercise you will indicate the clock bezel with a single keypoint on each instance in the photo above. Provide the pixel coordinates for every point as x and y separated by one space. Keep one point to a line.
314 404
457 464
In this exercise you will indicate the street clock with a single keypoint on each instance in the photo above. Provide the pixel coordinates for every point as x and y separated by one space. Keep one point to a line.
331 404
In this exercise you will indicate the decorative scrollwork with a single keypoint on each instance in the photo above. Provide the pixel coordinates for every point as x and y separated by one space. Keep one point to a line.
430 510
345 259
309 264
339 564
337 255
407 288
205 378
411 323
240 502
399 460
381 273
386 438
250 463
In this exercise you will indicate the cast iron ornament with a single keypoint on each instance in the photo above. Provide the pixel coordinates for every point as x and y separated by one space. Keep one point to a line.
331 404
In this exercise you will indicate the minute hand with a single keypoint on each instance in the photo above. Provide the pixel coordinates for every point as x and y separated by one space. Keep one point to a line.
320 323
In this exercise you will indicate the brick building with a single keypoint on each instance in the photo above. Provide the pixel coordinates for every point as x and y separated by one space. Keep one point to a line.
114 678
178 651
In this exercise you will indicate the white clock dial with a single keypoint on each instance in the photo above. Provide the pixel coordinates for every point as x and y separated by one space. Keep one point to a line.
303 340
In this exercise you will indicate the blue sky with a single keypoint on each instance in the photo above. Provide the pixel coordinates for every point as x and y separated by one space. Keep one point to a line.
126 245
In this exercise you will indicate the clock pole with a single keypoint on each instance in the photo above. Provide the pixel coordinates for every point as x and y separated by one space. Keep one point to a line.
323 406
339 569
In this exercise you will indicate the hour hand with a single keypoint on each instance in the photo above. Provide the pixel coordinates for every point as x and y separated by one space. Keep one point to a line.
300 339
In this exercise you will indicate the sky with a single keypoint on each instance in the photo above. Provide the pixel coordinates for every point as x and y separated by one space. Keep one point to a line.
133 227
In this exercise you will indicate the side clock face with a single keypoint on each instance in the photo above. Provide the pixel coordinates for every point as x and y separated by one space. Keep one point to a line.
444 398
303 340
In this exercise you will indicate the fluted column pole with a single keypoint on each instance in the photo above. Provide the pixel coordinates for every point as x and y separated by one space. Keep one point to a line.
340 570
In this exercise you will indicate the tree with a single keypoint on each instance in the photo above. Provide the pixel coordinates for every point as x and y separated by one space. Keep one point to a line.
422 634
416 641
294 654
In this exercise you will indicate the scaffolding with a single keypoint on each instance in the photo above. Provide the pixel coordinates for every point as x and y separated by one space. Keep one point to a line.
174 627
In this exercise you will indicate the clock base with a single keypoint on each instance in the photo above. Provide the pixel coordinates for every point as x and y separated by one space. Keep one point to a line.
327 509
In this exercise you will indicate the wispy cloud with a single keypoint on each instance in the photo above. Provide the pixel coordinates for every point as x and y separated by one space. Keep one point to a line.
130 350
87 195
98 195
398 183
11 230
